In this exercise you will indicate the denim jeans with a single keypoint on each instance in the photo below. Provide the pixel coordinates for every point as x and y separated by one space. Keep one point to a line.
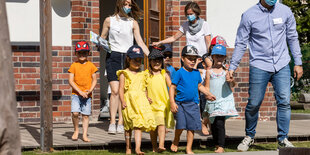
258 81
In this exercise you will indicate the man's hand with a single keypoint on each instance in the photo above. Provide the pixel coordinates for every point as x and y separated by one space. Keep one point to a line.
298 71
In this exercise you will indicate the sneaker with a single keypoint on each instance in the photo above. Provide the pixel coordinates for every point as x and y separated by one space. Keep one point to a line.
245 144
285 143
120 129
112 129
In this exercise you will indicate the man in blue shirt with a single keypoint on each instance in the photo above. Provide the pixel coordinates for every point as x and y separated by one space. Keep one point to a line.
267 28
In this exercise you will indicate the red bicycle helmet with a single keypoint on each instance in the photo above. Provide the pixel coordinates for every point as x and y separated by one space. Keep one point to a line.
81 46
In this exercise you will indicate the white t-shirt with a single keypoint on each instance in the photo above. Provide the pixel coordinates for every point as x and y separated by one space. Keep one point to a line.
121 33
197 40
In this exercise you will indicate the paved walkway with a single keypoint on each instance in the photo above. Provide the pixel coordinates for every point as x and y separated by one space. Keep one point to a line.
266 132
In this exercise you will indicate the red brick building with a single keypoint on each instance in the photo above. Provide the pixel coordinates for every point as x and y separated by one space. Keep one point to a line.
88 15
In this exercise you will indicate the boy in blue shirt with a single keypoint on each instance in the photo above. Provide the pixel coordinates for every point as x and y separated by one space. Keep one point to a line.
187 82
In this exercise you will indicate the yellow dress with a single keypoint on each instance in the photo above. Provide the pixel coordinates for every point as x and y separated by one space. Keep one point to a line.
138 113
158 92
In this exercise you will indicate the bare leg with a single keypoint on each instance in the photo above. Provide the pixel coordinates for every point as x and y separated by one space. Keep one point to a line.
153 135
161 134
190 139
128 141
204 126
175 143
114 101
75 121
85 122
138 136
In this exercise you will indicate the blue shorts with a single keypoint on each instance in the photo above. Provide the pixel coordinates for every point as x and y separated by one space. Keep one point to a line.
188 116
81 105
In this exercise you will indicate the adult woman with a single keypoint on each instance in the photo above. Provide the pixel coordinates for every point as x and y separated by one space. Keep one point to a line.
196 30
122 28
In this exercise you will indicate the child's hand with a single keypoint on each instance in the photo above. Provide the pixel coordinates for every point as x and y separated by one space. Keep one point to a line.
88 92
83 94
210 97
199 60
174 107
124 105
150 100
229 78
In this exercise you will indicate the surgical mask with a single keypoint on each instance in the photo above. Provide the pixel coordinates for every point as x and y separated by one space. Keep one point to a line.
126 10
271 2
191 17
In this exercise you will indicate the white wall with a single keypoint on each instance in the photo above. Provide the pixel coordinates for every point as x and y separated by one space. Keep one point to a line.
24 23
224 17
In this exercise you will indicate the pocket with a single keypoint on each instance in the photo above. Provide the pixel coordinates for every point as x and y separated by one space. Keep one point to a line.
279 26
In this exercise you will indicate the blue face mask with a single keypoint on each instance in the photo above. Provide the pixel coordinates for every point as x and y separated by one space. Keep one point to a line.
126 10
191 17
271 2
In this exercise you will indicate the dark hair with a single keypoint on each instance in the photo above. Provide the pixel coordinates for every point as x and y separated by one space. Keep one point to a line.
127 64
135 12
194 6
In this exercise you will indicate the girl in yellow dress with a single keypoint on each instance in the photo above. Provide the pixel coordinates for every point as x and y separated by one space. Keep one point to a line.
157 92
136 108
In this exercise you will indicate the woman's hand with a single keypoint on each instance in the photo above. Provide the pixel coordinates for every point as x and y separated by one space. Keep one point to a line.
156 43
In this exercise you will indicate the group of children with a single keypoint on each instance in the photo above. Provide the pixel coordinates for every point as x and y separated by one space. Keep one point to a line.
154 99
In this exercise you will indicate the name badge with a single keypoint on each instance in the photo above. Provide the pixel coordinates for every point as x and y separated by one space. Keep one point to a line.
277 21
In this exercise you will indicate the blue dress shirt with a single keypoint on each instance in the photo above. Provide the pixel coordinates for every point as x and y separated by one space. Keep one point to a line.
267 32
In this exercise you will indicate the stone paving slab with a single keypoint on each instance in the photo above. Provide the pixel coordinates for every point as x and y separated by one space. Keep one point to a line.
62 132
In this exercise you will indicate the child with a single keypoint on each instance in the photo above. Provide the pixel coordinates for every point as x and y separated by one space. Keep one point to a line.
167 52
137 111
187 82
224 106
157 91
83 80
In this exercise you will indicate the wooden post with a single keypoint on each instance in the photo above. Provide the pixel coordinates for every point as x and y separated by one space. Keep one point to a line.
9 129
46 139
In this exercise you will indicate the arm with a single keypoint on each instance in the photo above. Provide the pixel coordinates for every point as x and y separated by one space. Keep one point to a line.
105 28
206 88
292 40
136 33
168 80
208 94
173 105
75 87
93 83
171 39
241 42
121 90
208 42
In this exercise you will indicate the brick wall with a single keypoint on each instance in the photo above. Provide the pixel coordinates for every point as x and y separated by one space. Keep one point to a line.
85 17
175 17
26 62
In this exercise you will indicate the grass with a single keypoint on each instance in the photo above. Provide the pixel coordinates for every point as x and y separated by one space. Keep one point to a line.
301 111
200 149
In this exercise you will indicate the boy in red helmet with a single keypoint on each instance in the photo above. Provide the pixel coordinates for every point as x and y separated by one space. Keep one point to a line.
83 80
